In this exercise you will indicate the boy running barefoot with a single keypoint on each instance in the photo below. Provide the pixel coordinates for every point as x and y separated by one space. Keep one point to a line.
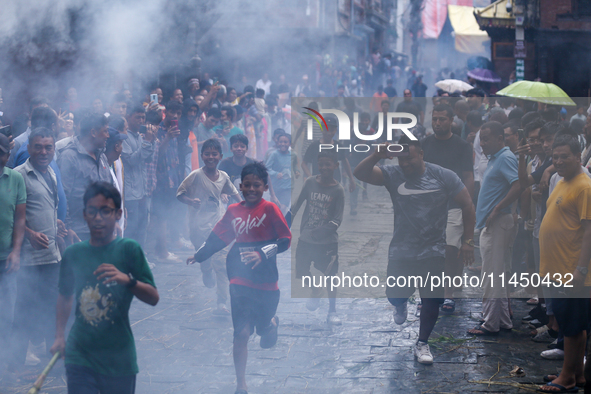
202 191
322 217
261 233
104 273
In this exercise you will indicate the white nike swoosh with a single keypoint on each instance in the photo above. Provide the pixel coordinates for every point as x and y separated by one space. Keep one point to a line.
403 191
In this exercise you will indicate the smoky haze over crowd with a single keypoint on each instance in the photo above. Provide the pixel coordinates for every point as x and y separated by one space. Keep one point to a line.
95 46
90 44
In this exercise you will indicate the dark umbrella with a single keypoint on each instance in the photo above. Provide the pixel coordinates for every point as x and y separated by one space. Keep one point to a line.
484 75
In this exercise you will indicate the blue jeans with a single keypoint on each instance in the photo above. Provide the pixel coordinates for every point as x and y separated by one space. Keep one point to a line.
84 380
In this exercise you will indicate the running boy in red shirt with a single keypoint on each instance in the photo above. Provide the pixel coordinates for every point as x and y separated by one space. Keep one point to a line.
261 233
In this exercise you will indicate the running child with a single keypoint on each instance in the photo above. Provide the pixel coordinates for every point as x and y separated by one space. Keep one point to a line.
279 167
202 191
104 273
318 242
233 165
261 233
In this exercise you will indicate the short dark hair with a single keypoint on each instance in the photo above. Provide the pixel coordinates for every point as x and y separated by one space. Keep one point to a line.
41 132
475 92
230 111
137 109
278 132
406 140
537 123
90 122
474 118
516 114
153 117
529 117
550 128
212 143
174 106
567 140
260 93
43 117
513 125
257 169
37 101
550 115
284 135
498 116
104 189
495 127
577 125
564 128
330 154
214 112
444 108
117 122
239 138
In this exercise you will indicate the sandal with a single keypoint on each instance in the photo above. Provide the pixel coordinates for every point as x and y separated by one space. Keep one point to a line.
550 378
449 306
561 389
269 339
483 332
533 301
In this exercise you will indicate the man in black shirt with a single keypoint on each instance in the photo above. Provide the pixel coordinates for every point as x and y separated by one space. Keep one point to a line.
411 106
389 89
449 151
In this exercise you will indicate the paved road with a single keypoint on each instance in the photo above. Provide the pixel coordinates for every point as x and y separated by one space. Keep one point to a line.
183 348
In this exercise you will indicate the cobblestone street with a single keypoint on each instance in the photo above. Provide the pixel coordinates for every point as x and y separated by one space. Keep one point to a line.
183 348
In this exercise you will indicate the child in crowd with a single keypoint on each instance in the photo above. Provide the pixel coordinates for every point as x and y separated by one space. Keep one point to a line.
233 165
104 274
202 192
279 167
318 242
261 233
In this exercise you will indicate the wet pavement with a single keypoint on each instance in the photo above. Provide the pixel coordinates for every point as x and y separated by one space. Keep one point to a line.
183 348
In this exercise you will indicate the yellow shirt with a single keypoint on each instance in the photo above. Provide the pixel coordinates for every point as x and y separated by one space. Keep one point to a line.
561 233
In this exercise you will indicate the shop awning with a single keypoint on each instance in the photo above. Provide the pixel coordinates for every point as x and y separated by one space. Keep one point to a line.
495 15
469 37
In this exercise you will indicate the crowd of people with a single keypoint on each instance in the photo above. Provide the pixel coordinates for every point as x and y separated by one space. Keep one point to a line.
212 169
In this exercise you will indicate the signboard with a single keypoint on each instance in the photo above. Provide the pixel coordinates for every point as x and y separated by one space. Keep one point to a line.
519 69
519 50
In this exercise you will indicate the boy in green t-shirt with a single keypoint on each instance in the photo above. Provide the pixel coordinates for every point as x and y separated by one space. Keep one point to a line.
104 273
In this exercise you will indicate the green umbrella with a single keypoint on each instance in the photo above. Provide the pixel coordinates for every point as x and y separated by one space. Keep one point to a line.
541 92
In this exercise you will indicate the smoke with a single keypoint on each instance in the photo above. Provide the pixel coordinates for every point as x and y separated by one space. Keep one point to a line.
48 45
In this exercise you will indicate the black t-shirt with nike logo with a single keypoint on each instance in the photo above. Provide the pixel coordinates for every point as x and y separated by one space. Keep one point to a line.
420 210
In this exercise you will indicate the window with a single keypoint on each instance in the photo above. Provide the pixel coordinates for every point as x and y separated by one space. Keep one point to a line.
503 50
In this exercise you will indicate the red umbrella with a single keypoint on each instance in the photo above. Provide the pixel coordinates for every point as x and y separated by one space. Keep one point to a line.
484 75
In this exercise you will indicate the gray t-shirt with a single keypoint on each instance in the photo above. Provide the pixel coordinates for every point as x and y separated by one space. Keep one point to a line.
420 210
324 210
198 185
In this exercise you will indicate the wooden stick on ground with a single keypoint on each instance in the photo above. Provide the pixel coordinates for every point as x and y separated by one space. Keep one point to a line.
39 382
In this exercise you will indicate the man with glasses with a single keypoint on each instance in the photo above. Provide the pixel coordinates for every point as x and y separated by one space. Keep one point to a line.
104 273
38 275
